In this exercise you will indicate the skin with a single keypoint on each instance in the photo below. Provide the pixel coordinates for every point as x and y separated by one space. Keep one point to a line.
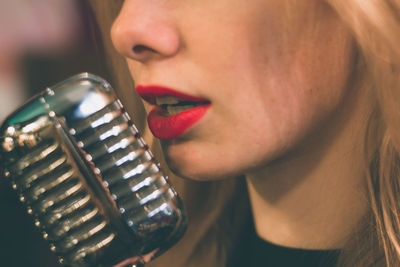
284 110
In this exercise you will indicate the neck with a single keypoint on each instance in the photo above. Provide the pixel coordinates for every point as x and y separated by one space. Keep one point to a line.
314 196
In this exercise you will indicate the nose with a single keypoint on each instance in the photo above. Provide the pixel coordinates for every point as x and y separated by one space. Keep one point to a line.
143 32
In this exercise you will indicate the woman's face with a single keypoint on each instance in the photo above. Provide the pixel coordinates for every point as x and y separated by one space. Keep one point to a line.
272 72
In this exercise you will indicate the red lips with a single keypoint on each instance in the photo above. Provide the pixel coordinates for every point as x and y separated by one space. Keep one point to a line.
165 126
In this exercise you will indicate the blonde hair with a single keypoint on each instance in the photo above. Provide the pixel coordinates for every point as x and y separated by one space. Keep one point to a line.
376 29
375 25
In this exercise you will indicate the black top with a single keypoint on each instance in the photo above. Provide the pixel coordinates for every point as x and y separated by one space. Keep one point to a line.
254 251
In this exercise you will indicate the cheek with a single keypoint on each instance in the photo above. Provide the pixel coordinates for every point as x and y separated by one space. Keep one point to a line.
299 98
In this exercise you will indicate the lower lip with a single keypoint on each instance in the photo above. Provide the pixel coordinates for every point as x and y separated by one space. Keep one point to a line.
169 127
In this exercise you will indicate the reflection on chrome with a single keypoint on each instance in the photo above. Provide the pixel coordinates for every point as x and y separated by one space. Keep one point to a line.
84 173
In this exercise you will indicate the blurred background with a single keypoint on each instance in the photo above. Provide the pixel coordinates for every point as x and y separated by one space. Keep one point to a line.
42 42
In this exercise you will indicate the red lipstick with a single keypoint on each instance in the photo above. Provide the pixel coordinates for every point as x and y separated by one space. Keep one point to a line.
164 125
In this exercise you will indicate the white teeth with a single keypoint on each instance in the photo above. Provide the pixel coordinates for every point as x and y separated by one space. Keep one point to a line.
173 105
172 110
166 100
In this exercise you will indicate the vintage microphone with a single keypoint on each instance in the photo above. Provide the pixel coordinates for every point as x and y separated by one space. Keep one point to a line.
88 178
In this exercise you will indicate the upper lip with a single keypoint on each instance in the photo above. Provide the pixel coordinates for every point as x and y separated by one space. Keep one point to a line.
150 92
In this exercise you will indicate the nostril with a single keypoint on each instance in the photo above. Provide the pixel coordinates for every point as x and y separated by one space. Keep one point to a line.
139 49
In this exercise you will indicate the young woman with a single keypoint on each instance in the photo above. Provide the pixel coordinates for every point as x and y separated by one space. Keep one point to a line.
292 105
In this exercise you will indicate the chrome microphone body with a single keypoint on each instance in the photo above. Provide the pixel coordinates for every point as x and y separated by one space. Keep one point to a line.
81 168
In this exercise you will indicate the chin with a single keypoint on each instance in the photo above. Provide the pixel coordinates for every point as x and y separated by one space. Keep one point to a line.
194 171
198 164
200 175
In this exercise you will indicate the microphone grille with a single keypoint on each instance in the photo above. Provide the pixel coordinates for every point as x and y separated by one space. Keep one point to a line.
88 178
